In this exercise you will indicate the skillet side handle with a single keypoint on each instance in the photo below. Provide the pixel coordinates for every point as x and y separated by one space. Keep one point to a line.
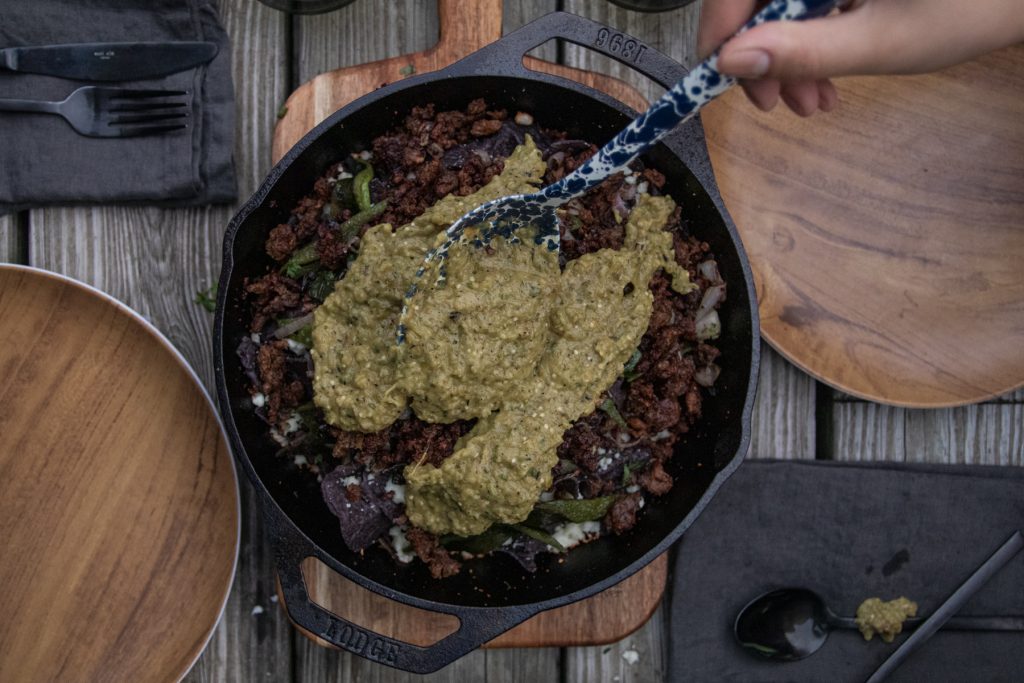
477 625
506 55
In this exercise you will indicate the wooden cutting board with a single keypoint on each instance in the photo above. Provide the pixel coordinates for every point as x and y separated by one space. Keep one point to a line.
887 238
464 28
604 618
118 500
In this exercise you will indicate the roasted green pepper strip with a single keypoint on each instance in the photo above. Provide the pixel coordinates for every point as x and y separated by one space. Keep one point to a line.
302 261
361 186
350 228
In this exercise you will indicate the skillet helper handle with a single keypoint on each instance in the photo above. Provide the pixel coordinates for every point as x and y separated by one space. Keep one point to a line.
506 55
477 625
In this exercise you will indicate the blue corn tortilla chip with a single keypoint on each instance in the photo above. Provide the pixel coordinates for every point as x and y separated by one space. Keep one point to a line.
365 520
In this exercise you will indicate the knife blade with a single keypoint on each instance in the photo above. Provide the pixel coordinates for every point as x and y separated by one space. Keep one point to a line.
108 61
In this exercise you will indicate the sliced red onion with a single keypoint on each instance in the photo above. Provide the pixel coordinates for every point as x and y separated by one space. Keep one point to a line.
294 326
709 269
707 375
712 297
619 207
709 326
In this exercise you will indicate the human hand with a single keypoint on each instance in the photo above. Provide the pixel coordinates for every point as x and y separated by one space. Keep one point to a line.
794 60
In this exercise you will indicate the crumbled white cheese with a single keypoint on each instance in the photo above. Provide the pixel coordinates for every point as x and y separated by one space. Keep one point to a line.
631 656
255 336
348 481
401 545
257 610
259 400
604 463
545 496
642 187
295 347
300 460
523 119
292 424
571 534
632 489
397 489
602 451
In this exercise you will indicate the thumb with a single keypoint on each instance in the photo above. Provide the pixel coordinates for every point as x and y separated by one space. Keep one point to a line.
816 49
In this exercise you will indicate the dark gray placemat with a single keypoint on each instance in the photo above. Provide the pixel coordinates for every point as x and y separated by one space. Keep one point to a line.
43 161
836 528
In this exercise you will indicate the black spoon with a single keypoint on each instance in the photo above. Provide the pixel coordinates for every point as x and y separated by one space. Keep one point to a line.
793 623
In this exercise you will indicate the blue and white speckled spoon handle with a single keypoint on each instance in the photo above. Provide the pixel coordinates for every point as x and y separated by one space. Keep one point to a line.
684 100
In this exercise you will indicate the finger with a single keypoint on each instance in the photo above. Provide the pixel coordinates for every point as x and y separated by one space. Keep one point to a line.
804 50
719 19
764 93
800 96
828 96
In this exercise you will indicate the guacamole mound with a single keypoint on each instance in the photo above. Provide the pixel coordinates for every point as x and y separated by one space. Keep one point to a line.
884 618
508 339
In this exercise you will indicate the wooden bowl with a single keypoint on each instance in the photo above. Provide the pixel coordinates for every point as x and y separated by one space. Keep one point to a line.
119 507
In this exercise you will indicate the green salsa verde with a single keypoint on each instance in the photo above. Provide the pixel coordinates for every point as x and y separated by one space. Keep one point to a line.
508 339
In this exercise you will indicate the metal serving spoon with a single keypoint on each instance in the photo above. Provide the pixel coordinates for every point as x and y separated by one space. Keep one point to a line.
505 215
793 623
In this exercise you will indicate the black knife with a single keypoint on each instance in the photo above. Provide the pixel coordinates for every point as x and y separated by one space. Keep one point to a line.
108 61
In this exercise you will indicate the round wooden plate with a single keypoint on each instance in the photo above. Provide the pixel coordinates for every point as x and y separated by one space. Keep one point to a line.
887 238
119 512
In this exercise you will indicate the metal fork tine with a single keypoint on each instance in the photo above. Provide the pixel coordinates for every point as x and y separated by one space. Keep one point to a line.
146 106
142 94
137 131
146 118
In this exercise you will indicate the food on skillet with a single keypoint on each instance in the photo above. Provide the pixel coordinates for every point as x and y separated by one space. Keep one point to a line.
382 462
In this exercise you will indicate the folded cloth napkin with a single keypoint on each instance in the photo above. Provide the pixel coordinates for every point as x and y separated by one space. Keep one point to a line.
43 161
850 532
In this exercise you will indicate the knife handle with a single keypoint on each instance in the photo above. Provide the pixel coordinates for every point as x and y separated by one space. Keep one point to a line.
9 59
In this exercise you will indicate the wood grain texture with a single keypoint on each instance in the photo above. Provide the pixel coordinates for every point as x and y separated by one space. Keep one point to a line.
463 28
784 411
983 434
155 260
10 239
118 507
885 237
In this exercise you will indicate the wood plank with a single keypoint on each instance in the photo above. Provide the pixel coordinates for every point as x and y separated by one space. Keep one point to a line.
986 433
641 657
10 239
362 32
155 260
784 411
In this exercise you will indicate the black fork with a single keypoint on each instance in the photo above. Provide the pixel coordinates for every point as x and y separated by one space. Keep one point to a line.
114 112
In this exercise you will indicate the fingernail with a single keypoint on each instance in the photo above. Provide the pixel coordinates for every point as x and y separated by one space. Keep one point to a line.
751 63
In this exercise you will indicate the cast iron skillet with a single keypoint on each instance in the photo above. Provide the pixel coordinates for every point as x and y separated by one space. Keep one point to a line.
498 594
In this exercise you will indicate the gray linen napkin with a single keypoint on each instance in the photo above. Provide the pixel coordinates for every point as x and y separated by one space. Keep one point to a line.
43 161
849 532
